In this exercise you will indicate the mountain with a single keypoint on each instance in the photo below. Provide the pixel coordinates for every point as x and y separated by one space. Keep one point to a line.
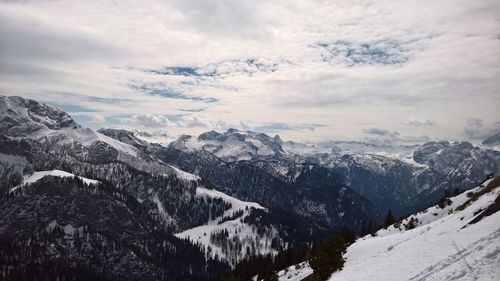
455 240
233 145
108 205
254 167
79 204
28 119
408 185
401 178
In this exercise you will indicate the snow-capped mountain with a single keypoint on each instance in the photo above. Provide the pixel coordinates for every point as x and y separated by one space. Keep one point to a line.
401 178
233 145
458 240
306 190
24 118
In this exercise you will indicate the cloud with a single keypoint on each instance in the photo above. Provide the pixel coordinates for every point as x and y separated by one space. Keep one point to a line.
244 18
150 121
281 127
380 52
32 43
163 91
97 118
347 65
475 129
380 132
419 122
192 121
222 69
387 137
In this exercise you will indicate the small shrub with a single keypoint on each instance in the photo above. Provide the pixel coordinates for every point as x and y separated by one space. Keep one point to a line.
411 224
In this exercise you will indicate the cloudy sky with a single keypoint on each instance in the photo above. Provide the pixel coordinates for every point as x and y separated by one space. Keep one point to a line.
381 71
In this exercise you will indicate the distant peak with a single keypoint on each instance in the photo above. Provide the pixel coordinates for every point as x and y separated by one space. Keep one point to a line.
210 135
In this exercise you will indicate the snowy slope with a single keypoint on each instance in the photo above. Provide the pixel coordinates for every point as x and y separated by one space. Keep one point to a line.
443 246
25 118
295 272
237 229
181 174
36 176
82 135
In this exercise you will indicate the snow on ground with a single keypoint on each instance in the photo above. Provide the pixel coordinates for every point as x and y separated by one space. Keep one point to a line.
161 139
161 210
36 176
236 228
85 136
183 175
443 246
295 272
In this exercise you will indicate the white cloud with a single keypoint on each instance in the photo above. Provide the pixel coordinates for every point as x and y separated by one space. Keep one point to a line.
97 118
192 121
419 122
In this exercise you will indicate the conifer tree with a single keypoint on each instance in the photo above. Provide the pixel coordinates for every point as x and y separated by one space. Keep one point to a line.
389 219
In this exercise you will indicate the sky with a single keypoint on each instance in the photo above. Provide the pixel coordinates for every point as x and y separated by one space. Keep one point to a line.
391 72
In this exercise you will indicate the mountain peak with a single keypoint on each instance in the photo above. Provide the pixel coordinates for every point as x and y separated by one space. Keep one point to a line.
22 117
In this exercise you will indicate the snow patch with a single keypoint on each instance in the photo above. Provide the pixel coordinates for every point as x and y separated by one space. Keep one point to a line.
36 176
236 228
184 175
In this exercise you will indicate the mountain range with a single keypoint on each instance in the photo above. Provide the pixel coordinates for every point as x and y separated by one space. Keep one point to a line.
114 204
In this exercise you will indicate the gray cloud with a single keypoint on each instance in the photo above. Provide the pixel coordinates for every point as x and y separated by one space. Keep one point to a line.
381 132
243 18
475 129
419 122
152 121
31 44
387 137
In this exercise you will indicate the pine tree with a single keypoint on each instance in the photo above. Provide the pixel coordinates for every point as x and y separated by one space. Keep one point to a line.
328 258
389 219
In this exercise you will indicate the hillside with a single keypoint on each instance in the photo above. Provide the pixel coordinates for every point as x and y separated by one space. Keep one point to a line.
460 241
